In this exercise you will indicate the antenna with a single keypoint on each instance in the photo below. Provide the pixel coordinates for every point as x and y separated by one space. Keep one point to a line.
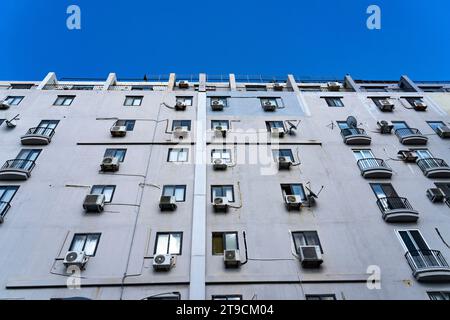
12 122
352 122
292 127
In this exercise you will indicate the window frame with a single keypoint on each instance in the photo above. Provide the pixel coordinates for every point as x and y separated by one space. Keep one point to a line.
279 153
271 124
441 123
179 151
331 102
112 152
290 185
64 99
219 123
128 123
104 186
98 234
188 124
175 186
14 98
133 98
226 297
223 235
223 187
224 100
221 151
304 232
169 233
185 99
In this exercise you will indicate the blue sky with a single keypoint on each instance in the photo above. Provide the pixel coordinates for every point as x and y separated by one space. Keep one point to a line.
317 39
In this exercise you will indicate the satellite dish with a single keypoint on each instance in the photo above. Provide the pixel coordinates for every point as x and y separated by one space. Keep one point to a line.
12 123
351 122
292 126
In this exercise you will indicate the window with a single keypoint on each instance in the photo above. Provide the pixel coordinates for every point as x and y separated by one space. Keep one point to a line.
126 123
185 100
178 155
386 194
181 123
220 99
295 189
274 124
179 192
168 243
134 101
378 99
363 154
306 238
224 154
222 241
320 297
87 242
413 100
6 195
223 191
227 297
435 125
64 100
25 159
413 242
108 191
255 88
22 86
14 100
46 127
1 121
272 101
223 124
334 101
286 153
439 295
118 153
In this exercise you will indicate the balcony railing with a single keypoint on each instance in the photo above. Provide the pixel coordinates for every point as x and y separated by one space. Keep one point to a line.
86 87
428 265
352 131
430 163
4 207
393 203
405 132
374 168
20 164
42 131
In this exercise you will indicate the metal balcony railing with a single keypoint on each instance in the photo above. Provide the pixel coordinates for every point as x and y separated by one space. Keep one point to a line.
429 163
387 204
425 259
352 131
72 87
370 163
20 164
4 207
404 132
42 131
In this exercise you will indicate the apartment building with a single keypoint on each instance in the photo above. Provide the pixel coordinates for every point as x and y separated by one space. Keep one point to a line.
224 187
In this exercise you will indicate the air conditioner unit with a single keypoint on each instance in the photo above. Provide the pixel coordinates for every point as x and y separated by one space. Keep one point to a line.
408 155
76 258
180 132
277 132
310 256
284 163
436 195
180 106
269 105
220 204
118 131
110 164
386 105
231 258
293 202
420 106
443 132
385 126
217 105
167 203
219 132
219 164
4 105
183 84
333 86
163 262
94 203
277 87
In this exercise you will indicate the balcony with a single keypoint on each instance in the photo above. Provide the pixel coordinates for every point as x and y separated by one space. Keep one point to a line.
428 265
4 207
355 136
17 169
411 136
396 209
374 168
434 168
38 136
